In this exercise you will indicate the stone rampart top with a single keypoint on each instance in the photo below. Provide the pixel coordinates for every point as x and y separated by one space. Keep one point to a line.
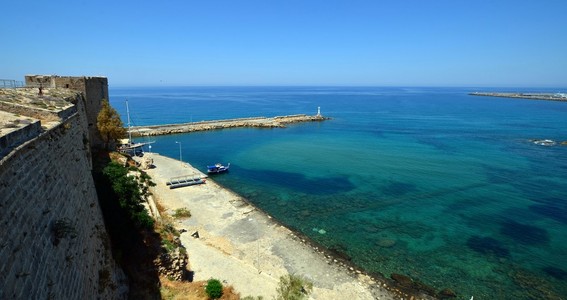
50 99
49 105
25 111
11 122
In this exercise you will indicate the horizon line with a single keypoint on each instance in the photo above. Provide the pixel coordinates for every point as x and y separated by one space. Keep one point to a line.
332 86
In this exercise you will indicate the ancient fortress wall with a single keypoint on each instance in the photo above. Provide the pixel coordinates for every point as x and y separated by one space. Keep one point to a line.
53 241
93 88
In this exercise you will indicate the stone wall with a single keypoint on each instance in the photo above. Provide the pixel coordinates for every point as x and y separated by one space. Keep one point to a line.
53 241
96 89
28 131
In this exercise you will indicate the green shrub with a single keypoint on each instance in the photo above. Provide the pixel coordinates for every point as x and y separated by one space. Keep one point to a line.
127 191
181 213
214 289
143 220
168 245
168 231
293 287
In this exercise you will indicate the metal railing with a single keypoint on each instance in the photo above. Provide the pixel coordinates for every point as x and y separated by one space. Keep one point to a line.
9 83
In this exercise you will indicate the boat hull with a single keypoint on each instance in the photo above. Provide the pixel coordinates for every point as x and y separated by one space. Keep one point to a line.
217 168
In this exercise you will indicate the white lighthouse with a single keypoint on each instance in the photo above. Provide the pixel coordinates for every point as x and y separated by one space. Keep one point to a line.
318 111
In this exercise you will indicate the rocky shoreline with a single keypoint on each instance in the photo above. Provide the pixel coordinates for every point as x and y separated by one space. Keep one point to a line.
262 122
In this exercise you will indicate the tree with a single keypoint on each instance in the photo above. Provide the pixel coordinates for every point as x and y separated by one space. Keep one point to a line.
109 124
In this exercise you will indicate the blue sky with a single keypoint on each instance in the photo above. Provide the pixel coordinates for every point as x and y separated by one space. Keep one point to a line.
293 42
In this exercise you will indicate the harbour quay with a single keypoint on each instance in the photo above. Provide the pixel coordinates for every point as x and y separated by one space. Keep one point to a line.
260 122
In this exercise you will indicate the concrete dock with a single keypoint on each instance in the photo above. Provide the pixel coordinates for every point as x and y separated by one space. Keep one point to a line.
262 122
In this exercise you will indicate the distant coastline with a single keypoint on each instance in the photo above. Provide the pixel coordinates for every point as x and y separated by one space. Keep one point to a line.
531 96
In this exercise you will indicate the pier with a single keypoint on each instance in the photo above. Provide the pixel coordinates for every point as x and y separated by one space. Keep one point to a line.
260 122
531 96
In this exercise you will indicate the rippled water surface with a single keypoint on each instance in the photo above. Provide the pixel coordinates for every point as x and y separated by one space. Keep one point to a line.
432 183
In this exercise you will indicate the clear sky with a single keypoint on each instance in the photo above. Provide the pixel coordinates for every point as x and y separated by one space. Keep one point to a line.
292 42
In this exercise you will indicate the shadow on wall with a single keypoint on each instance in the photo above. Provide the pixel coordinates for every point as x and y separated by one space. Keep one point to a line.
134 248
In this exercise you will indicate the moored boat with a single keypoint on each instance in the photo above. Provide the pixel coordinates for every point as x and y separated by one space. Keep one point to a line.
131 148
218 168
128 146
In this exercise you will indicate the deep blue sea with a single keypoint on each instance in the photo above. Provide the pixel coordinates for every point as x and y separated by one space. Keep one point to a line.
432 183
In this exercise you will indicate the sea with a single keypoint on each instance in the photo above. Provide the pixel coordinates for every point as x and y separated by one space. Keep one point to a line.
432 183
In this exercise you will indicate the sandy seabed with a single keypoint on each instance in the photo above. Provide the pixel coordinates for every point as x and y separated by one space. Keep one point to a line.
244 247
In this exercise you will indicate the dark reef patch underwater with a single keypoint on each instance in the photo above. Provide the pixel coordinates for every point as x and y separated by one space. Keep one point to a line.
488 245
556 273
301 183
555 209
524 234
430 183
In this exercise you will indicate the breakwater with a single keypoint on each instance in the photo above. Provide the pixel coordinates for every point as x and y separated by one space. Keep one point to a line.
532 96
262 122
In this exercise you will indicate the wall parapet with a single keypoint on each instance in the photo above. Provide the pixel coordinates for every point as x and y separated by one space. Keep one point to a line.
17 137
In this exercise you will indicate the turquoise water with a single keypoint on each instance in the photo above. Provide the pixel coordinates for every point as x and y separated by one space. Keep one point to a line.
429 182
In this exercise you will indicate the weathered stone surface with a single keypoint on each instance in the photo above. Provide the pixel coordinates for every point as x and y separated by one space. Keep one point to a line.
402 280
147 162
173 264
53 241
424 288
447 293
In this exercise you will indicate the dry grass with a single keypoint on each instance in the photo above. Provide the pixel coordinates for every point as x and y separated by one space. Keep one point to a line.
175 290
116 156
162 209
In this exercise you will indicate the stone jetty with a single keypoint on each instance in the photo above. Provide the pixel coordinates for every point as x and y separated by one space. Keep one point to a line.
262 122
532 96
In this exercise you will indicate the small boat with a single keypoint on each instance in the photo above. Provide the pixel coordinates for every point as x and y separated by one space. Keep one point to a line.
218 168
131 148
128 146
545 142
